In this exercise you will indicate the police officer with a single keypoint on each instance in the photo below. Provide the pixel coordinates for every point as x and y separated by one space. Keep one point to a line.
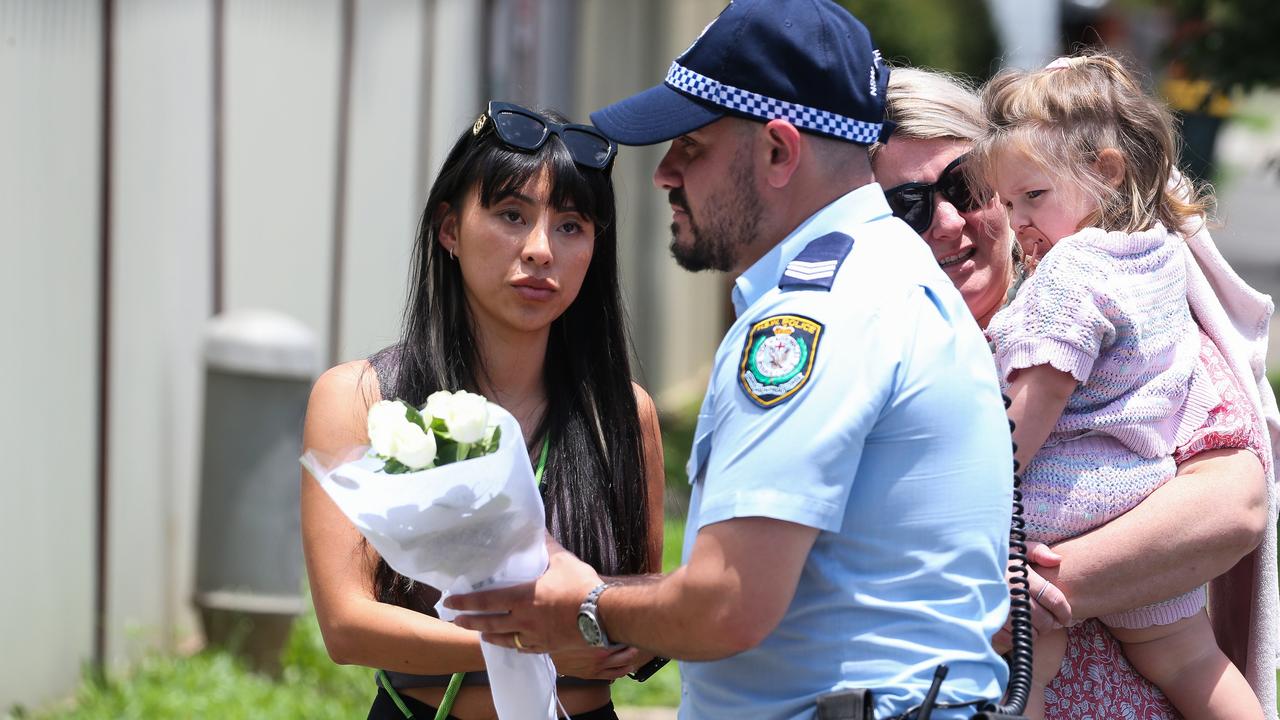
851 488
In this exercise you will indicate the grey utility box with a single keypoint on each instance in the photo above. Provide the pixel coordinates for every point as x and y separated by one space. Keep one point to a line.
259 366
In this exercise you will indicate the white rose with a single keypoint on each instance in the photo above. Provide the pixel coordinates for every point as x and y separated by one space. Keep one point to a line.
414 448
392 435
492 426
470 418
384 418
438 403
465 415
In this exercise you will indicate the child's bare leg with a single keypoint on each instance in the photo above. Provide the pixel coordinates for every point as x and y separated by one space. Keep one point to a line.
1184 661
1047 655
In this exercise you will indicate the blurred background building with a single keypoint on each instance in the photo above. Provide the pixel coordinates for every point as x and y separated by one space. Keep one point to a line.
165 161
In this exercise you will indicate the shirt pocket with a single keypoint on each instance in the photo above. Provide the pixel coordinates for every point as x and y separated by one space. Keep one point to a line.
701 450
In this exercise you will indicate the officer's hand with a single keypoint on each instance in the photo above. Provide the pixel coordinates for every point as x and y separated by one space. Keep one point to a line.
598 663
543 613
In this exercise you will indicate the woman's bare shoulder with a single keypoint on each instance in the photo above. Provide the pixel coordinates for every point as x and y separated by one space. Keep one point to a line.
354 380
646 409
644 402
339 404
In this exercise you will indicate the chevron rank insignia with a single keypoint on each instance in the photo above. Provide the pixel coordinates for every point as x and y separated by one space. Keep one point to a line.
778 358
816 265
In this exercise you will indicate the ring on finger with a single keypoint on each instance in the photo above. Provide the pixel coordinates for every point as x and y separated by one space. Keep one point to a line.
1044 587
519 646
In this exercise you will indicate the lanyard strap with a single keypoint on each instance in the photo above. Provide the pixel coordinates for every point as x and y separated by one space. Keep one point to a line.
542 460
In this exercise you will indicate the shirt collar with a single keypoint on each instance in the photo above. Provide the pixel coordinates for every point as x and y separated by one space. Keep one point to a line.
856 207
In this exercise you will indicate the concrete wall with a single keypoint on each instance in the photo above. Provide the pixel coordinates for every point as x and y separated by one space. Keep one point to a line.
161 188
50 71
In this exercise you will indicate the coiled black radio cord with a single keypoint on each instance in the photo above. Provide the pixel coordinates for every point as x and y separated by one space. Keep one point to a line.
1019 689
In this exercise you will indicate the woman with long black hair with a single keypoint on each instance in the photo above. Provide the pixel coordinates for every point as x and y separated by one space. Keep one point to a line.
513 294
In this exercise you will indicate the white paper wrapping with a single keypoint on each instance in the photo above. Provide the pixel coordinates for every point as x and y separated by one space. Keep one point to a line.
471 525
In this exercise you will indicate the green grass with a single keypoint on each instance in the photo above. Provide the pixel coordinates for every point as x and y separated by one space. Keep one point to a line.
215 684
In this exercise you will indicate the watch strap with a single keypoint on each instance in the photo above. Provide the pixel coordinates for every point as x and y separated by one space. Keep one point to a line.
646 671
591 607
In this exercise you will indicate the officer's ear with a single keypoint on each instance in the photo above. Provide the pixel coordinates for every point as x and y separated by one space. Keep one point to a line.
781 140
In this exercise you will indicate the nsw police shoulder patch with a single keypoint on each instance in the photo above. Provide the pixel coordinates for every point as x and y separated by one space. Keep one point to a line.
778 358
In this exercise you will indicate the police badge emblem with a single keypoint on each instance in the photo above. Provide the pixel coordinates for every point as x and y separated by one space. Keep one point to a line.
778 358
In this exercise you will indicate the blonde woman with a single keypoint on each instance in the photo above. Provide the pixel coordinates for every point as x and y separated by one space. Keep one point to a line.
1168 543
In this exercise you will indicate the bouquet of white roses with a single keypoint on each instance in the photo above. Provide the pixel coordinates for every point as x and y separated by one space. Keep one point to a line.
447 497
449 428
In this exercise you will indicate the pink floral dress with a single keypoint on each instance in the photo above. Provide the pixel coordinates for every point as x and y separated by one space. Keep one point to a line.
1095 681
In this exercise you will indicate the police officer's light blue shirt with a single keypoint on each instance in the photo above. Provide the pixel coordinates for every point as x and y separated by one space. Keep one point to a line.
896 448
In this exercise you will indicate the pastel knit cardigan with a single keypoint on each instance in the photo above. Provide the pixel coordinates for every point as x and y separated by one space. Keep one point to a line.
1236 318
1110 308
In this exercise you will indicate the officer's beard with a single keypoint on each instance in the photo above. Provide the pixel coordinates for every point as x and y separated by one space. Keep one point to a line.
730 221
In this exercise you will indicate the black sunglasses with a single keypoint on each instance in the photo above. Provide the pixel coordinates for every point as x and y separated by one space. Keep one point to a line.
913 201
524 129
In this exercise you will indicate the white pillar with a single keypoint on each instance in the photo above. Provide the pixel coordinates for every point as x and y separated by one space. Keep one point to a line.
1028 31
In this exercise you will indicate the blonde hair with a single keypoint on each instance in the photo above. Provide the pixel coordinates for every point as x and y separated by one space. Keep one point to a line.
1063 116
929 105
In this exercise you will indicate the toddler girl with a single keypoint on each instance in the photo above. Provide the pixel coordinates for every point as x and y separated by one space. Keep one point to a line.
1098 350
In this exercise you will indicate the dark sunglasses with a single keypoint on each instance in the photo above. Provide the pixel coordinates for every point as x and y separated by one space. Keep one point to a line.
913 201
524 129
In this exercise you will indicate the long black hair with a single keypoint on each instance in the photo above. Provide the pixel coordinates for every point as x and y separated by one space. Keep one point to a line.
594 484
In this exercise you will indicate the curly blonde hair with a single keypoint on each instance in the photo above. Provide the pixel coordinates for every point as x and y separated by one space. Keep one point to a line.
1063 116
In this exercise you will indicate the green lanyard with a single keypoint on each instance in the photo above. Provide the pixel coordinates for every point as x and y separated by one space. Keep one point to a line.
455 682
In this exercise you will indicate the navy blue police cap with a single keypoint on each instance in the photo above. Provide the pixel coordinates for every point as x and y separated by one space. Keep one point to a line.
806 61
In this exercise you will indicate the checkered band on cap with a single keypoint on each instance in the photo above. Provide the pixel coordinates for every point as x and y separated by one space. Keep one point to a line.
744 101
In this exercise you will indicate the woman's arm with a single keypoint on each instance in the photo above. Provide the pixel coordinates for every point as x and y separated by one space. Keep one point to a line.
655 476
357 629
1189 531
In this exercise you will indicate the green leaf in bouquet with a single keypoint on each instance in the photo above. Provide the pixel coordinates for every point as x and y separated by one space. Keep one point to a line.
446 450
395 467
487 446
414 416
462 451
439 427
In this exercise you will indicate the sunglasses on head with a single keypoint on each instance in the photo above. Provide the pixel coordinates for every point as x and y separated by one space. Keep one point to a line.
913 201
523 129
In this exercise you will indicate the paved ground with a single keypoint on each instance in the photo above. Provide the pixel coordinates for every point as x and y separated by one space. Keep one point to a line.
1249 201
646 713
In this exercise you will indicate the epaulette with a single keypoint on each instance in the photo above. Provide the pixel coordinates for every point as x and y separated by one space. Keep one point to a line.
816 265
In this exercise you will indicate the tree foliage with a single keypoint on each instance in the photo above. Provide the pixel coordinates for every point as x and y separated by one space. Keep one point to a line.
1230 43
952 35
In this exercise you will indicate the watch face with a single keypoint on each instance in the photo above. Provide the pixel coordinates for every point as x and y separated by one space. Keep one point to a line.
589 628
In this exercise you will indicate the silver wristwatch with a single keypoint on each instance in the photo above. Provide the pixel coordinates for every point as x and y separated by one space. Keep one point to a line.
589 618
